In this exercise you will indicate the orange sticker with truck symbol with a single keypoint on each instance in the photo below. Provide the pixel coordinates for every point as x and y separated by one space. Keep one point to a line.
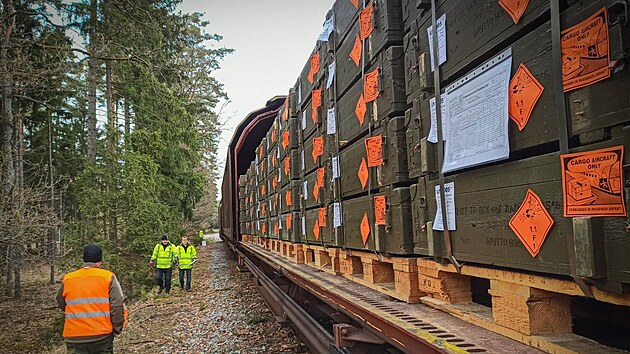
380 210
316 102
525 91
586 52
318 147
514 8
365 22
314 68
532 223
355 54
370 86
374 150
287 165
286 139
592 183
322 216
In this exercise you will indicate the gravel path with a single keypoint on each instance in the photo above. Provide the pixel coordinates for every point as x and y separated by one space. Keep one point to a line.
223 314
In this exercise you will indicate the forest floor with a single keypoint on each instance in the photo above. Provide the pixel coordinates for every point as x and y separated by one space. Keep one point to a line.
224 313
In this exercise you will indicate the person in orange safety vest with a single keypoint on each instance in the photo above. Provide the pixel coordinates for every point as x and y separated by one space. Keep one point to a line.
92 301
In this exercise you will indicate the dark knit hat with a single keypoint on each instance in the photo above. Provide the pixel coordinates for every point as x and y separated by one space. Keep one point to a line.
164 237
92 253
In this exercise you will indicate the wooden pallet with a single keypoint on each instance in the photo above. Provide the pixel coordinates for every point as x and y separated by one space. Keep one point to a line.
323 258
393 276
531 309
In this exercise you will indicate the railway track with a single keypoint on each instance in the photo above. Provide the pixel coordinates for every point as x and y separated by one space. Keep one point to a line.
334 315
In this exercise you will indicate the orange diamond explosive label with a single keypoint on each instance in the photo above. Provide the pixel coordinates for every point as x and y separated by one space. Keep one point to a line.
525 91
365 228
363 173
532 223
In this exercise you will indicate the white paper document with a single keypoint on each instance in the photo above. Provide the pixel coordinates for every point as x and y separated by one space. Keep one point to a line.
305 190
441 41
304 120
477 116
449 191
331 122
303 226
279 223
331 74
336 214
258 225
327 30
335 167
302 158
433 133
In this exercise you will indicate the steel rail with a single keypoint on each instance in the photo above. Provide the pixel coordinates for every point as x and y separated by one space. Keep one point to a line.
315 335
393 335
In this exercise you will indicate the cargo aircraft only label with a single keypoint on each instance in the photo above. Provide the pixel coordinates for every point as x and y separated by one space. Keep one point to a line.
592 183
586 52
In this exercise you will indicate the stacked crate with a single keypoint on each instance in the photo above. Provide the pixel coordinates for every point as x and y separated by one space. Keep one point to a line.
289 169
487 197
262 190
370 104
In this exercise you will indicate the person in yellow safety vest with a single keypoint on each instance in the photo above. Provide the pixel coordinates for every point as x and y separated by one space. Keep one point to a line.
92 301
187 256
164 254
200 236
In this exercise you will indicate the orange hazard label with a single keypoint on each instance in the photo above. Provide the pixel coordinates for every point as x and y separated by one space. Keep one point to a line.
314 68
276 228
380 217
374 150
287 198
525 91
515 8
370 86
318 147
286 139
285 114
273 160
321 173
260 152
316 191
355 54
363 173
355 3
263 209
274 183
585 52
316 230
287 165
316 102
361 109
365 22
365 228
322 216
264 228
273 135
531 223
263 190
592 183
289 221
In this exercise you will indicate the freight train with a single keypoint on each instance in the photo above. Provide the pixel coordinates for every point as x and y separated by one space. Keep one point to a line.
532 239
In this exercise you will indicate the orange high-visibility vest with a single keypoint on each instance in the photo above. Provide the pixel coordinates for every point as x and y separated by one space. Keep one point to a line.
86 293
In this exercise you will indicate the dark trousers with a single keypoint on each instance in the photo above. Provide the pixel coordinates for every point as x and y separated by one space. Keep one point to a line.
188 273
163 278
103 346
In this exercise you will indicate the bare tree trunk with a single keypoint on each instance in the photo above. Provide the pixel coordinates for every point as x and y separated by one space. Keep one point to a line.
17 256
9 273
51 232
127 121
92 72
7 174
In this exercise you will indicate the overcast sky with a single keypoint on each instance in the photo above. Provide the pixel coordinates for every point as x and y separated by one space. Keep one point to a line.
272 39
